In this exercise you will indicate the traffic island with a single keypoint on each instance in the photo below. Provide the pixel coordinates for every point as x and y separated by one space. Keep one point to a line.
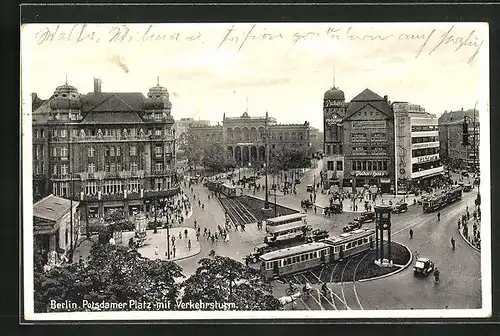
155 246
364 267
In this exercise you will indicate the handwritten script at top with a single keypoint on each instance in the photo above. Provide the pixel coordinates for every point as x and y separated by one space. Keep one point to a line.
429 41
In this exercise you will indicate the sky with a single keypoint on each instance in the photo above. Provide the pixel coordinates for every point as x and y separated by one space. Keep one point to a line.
211 69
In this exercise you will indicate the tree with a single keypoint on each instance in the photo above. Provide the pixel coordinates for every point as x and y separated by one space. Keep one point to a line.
214 158
111 273
222 279
192 148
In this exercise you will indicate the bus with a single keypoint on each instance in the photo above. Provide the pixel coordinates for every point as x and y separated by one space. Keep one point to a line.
286 228
307 256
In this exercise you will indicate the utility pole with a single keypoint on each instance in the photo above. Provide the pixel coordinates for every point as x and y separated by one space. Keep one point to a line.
266 202
71 199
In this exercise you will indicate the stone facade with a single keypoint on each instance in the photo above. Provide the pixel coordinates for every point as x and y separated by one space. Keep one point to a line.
244 138
106 150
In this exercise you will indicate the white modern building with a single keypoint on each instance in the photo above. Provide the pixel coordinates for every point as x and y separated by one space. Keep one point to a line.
416 147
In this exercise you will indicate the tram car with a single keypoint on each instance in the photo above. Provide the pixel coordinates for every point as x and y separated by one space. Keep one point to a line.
441 199
307 256
221 187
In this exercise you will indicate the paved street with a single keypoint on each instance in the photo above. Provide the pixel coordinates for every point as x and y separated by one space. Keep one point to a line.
460 285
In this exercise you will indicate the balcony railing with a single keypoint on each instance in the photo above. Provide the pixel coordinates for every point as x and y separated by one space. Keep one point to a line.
147 194
112 138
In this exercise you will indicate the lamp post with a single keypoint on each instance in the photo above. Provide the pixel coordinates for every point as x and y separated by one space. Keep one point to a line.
266 202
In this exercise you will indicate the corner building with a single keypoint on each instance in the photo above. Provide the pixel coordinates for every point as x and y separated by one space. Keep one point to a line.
104 149
418 162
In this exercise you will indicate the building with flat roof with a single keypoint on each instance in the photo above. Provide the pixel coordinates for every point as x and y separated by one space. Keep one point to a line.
417 158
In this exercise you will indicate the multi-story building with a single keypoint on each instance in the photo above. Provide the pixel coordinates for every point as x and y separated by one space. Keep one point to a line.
452 150
244 137
181 128
316 139
104 149
418 162
334 109
368 142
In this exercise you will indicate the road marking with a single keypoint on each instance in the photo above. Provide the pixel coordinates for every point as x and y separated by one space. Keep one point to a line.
342 285
354 281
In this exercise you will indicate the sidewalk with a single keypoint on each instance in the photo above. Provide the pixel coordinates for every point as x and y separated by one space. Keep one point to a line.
160 239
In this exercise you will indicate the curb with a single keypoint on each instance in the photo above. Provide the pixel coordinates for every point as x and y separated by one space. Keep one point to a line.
283 206
186 257
396 271
468 242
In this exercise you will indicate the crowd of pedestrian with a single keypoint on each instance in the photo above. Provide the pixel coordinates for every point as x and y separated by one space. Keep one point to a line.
464 222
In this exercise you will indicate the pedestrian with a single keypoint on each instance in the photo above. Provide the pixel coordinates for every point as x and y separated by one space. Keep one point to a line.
173 250
198 236
189 244
213 239
439 216
458 224
315 209
411 234
180 235
80 261
186 233
173 239
156 250
203 207
216 236
453 243
195 224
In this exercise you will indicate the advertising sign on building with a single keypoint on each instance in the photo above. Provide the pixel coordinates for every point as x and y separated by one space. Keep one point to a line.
366 124
368 173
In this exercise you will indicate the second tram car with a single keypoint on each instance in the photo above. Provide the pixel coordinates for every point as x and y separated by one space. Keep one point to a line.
221 187
441 199
306 256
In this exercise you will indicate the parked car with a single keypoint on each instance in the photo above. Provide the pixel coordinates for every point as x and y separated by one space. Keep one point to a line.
465 173
423 266
257 252
310 188
467 187
297 181
365 217
351 226
400 207
317 235
334 208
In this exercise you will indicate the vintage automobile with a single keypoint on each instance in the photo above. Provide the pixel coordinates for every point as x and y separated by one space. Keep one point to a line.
423 266
335 208
297 181
365 217
467 187
306 203
317 235
351 226
400 207
464 173
310 188
257 252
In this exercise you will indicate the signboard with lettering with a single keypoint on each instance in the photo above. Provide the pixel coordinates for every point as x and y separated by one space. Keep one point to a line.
368 124
426 158
425 145
369 173
334 103
332 119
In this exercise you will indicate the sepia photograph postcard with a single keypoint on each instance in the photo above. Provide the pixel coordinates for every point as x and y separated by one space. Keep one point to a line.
255 171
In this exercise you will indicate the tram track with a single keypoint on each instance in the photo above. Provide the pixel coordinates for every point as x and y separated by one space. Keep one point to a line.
342 283
237 212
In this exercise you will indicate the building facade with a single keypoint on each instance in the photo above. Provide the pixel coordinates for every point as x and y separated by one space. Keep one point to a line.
334 110
52 225
368 137
244 137
105 149
418 162
452 150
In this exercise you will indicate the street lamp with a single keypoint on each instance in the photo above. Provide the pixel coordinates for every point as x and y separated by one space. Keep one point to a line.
266 202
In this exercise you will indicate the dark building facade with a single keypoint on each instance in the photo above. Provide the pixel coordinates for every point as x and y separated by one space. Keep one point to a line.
368 128
452 150
104 149
359 141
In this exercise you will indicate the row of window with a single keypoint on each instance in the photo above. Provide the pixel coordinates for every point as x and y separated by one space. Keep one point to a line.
113 168
424 128
363 137
423 139
330 165
317 254
334 149
373 150
371 165
289 231
288 221
416 167
424 151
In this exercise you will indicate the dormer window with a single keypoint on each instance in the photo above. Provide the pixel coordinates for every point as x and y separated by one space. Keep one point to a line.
64 95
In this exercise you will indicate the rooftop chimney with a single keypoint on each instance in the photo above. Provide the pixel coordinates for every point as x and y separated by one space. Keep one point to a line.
97 85
385 97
